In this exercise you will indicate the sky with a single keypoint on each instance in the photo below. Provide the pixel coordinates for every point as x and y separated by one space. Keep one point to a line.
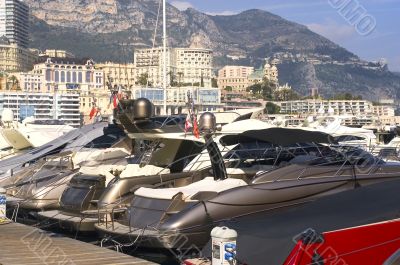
372 35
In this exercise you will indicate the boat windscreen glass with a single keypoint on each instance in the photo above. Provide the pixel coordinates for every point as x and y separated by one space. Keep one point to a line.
73 197
249 150
276 154
39 149
358 156
169 120
104 141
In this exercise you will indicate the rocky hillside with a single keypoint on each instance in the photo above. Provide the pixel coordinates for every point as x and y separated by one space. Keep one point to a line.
111 29
254 33
333 79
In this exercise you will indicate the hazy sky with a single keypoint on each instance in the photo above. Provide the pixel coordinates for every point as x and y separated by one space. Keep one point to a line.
322 17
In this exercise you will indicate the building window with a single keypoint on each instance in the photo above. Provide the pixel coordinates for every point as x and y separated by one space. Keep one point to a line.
62 77
87 77
68 77
73 77
80 77
56 76
48 75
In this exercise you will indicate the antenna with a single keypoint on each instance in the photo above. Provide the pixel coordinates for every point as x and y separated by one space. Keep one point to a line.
165 55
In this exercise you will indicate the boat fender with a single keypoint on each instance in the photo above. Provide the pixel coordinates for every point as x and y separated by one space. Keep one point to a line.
223 245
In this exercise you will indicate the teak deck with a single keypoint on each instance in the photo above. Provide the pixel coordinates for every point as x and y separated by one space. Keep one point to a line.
21 244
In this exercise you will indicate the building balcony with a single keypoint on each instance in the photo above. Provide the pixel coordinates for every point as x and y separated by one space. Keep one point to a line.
76 119
72 104
69 107
68 99
70 117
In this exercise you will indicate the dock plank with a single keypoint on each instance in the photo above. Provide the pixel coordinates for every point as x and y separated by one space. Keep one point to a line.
21 244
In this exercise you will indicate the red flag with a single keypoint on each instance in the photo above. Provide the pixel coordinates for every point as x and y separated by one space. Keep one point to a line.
188 124
92 112
115 101
196 131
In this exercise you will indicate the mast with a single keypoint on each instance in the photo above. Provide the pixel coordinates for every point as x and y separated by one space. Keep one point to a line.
165 55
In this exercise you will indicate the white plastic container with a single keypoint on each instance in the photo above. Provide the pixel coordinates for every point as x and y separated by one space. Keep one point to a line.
223 244
3 202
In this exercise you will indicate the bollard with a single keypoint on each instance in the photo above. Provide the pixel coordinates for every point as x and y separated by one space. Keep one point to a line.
3 202
223 246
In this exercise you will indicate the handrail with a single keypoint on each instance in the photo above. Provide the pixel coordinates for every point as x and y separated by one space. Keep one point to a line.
175 199
112 215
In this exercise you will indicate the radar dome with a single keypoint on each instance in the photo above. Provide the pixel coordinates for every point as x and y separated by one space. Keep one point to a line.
207 122
7 116
142 109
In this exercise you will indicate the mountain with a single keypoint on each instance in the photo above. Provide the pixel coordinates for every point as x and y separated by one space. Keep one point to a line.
331 79
109 30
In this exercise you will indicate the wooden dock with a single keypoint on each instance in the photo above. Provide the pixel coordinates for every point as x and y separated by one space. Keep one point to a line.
21 244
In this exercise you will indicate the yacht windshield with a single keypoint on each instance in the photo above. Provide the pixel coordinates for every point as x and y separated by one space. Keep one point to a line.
266 153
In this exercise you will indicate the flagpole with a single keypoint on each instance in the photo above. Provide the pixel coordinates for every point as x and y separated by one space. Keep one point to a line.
165 55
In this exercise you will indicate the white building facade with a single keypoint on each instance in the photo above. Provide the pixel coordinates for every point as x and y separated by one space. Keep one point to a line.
333 107
384 110
43 106
149 62
116 74
14 22
185 66
193 66
62 75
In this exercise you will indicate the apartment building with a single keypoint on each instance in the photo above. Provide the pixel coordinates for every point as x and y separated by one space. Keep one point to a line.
43 106
14 37
14 58
333 107
149 63
383 110
116 74
14 22
185 66
193 66
236 77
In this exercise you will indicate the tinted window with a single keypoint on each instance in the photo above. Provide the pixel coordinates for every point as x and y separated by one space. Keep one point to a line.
105 141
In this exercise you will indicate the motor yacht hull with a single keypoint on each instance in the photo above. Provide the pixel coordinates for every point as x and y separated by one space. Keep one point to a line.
195 222
41 195
71 141
376 243
110 200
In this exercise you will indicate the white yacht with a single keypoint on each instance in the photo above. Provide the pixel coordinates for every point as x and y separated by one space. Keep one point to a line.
40 185
165 156
30 133
332 125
